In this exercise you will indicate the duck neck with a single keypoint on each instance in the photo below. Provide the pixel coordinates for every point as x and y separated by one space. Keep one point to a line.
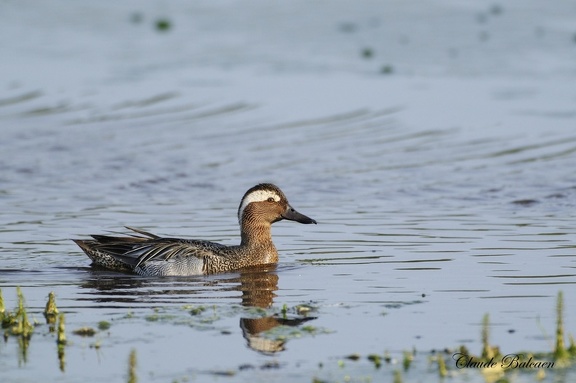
259 240
255 235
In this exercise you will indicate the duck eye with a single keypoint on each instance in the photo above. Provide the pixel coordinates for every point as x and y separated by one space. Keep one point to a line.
270 199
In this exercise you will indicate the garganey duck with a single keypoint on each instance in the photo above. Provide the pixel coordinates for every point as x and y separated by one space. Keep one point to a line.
150 255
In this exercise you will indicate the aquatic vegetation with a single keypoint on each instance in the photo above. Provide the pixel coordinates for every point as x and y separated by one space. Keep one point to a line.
84 331
442 370
284 332
387 357
376 359
572 348
61 338
132 378
494 364
16 323
560 351
51 311
200 317
156 317
490 363
407 359
2 307
488 352
104 325
61 343
197 310
274 326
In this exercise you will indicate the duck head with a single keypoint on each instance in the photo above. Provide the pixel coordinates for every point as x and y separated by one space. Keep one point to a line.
268 203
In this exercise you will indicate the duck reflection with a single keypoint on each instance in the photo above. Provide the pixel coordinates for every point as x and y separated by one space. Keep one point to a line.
257 286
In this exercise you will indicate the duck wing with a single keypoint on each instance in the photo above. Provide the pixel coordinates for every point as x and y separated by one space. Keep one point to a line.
140 247
167 248
142 232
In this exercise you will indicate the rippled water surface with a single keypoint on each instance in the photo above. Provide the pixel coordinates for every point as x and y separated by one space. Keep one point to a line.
443 191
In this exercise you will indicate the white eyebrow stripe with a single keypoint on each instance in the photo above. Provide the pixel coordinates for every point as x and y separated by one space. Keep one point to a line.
256 196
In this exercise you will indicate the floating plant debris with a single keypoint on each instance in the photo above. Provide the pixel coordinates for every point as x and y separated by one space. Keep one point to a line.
84 331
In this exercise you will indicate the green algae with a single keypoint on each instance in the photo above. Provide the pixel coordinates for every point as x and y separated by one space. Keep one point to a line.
200 317
163 25
197 310
104 325
285 333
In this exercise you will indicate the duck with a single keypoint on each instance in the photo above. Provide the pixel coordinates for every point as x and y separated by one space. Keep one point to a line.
148 254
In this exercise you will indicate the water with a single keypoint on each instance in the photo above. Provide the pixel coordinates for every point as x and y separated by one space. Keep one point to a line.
442 191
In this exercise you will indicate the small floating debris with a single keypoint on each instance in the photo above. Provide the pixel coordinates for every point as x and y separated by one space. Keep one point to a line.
387 69
525 202
85 331
163 25
367 53
223 373
303 309
270 365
